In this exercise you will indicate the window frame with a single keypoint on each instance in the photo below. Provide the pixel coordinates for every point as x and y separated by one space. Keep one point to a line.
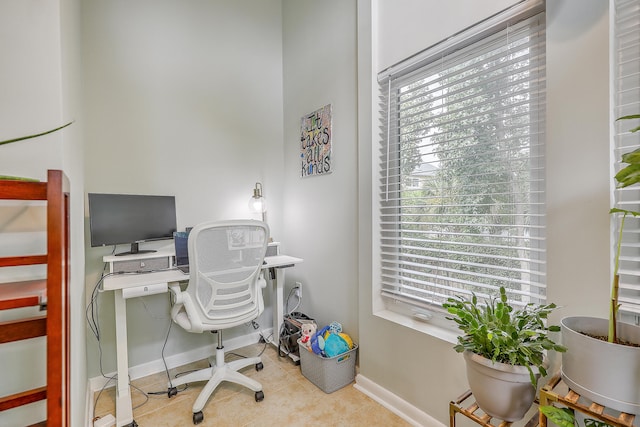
405 310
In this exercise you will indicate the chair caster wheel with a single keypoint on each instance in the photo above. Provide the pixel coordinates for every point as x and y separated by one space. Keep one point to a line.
198 417
259 366
259 396
172 392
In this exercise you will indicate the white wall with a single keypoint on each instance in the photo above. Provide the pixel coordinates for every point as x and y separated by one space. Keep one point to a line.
30 86
39 83
73 165
321 213
181 98
406 27
425 371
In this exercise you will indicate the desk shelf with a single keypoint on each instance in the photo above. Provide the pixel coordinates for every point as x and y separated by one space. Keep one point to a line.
467 406
551 393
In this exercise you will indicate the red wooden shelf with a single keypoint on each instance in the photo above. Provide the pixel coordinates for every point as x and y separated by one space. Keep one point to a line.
23 294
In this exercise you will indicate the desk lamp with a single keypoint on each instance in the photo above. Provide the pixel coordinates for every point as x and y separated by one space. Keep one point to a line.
257 203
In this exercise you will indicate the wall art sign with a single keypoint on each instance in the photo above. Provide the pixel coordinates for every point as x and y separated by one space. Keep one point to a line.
315 143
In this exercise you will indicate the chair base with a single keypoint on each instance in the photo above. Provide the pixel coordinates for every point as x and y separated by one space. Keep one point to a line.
220 371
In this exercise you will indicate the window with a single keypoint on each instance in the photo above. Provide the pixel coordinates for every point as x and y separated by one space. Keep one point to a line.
627 101
461 165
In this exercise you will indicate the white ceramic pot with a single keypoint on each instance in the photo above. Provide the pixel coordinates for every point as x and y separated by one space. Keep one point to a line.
503 391
606 373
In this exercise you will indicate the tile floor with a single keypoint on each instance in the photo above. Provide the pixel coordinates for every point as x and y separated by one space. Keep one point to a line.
290 400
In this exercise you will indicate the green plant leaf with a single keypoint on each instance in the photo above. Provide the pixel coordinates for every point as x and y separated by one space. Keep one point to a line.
623 211
632 157
563 417
22 138
16 178
632 116
628 175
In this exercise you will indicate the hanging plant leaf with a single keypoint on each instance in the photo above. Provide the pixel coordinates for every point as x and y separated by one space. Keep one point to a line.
22 138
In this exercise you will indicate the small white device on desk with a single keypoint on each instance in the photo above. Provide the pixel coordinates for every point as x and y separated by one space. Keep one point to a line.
152 273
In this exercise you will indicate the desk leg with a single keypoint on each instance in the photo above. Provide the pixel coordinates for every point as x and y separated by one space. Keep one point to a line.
124 412
277 276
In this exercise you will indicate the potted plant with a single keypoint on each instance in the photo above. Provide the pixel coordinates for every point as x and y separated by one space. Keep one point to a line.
22 138
504 350
603 356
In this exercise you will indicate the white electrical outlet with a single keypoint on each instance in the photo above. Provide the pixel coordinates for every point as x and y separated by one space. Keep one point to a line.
298 290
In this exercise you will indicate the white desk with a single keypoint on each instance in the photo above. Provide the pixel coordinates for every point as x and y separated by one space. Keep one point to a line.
120 282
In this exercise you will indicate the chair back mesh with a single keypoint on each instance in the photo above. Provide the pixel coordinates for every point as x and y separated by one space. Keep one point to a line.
225 261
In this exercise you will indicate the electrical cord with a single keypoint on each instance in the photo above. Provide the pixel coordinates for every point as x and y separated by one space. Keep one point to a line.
291 293
91 315
95 402
92 318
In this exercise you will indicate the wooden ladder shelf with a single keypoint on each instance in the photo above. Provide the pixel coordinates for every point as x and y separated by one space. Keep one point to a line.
570 399
51 295
467 406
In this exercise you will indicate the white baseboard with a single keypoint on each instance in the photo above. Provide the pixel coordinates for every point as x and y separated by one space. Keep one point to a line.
395 404
155 366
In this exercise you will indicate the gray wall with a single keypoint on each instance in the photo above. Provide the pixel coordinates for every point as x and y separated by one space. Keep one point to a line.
321 216
182 98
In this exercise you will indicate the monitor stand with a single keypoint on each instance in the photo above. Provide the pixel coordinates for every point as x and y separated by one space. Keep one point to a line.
135 250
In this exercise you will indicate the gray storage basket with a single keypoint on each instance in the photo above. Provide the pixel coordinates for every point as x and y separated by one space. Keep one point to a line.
328 373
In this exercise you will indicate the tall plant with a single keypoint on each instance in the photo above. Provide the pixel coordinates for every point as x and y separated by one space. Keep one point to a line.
627 176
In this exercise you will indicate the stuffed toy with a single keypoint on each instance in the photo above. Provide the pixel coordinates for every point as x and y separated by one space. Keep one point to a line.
317 341
335 328
335 345
308 329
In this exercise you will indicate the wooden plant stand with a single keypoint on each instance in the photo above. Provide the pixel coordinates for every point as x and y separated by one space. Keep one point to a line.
467 406
548 396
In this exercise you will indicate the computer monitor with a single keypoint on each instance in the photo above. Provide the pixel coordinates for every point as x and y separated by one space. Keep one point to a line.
117 219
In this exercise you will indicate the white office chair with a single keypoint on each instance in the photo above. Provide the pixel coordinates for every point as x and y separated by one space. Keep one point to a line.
224 291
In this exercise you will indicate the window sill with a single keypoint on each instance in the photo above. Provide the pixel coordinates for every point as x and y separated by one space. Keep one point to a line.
425 327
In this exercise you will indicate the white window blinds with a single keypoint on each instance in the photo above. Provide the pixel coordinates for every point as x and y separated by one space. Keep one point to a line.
461 184
627 102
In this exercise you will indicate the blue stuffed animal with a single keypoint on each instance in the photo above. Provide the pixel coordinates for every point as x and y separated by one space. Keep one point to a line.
335 345
318 341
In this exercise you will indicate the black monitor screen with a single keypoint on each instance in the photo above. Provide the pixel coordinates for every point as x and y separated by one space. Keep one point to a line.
128 219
